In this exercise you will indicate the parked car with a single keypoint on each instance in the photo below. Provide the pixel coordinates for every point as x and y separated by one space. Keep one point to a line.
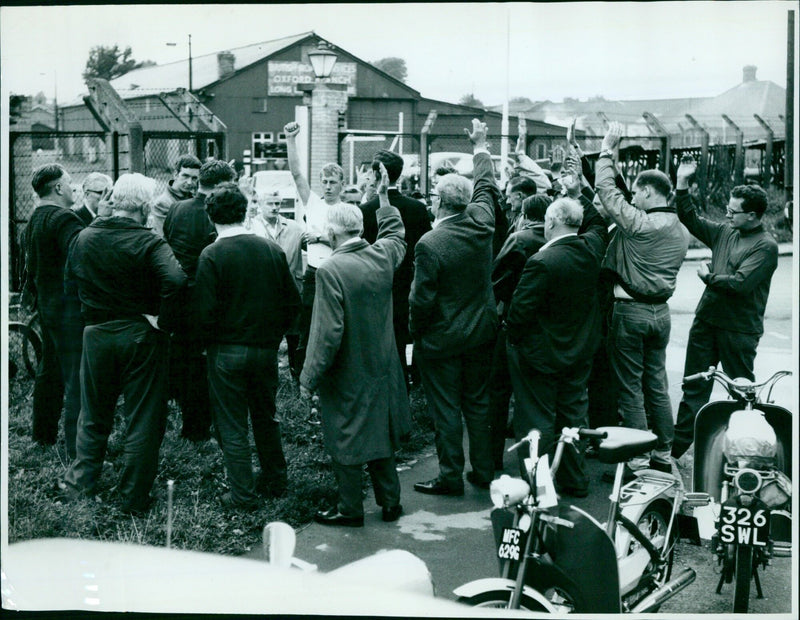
280 181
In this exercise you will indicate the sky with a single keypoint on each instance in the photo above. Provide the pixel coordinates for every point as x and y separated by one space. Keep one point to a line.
538 50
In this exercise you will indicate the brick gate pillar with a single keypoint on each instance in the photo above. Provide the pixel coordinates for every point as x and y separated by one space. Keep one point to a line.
327 101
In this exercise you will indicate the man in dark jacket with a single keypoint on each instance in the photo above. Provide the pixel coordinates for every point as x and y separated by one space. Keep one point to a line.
182 187
131 288
49 235
96 188
188 230
453 319
554 330
729 319
416 222
506 272
245 299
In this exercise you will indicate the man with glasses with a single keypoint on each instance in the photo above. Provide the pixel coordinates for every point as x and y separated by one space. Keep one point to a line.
96 188
729 319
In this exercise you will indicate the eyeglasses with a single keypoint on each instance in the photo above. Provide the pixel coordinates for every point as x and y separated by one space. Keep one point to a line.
97 192
732 212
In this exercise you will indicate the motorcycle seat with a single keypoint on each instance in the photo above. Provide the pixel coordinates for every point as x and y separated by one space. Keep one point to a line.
622 444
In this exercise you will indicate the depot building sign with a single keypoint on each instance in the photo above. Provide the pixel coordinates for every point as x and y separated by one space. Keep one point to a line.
284 75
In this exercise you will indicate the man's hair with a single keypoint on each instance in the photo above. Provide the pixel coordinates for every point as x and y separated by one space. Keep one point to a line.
454 192
754 199
132 192
534 207
97 176
226 204
526 185
331 170
444 170
657 180
393 163
45 177
566 212
187 161
345 219
214 172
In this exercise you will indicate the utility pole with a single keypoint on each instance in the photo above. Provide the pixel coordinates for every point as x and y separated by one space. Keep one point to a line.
788 161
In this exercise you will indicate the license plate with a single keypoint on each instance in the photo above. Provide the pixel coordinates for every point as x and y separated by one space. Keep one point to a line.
510 546
743 525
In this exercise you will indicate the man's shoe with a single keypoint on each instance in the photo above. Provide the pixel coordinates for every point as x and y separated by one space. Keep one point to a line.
473 479
332 516
270 489
438 487
572 491
627 475
392 513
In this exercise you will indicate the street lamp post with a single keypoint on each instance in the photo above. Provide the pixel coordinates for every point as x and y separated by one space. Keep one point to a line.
326 100
190 59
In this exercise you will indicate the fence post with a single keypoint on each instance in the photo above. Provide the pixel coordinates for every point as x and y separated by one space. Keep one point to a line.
702 169
738 161
766 174
666 149
424 180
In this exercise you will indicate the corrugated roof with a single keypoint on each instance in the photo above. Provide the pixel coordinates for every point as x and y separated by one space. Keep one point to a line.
171 76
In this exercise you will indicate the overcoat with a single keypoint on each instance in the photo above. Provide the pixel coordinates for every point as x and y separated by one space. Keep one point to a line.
351 357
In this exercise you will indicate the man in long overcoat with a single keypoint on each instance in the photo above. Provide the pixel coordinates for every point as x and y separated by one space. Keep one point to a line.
352 361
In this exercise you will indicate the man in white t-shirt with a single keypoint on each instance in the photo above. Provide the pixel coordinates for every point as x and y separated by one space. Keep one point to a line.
315 210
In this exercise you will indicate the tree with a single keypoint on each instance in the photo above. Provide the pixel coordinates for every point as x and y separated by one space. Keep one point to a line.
520 100
396 67
471 100
110 62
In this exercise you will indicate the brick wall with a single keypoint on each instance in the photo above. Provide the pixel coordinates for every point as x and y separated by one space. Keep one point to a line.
326 102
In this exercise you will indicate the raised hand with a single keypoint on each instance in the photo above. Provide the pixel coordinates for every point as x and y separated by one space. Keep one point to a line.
478 134
687 167
612 137
383 181
291 129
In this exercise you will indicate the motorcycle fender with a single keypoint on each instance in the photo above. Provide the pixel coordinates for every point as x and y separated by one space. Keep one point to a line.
493 584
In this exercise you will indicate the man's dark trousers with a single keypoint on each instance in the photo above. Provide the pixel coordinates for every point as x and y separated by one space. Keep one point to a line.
548 402
189 380
242 378
306 308
385 484
128 357
500 391
58 378
708 346
445 379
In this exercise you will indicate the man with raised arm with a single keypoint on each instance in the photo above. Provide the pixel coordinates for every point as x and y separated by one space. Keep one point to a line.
352 360
729 319
644 256
315 211
453 319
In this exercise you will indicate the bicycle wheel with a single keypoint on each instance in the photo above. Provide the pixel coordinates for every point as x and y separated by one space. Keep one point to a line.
24 352
743 577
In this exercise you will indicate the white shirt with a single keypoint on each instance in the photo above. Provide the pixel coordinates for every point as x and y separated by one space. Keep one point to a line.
316 212
232 231
552 241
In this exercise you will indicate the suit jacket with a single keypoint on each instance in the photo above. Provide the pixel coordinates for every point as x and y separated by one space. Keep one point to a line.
452 307
351 355
510 262
84 214
554 318
416 222
188 230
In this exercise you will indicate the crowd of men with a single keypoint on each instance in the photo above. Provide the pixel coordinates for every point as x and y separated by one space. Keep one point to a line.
563 278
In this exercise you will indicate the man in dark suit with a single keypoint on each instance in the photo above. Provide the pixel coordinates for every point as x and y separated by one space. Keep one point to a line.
416 222
188 231
553 331
453 319
96 188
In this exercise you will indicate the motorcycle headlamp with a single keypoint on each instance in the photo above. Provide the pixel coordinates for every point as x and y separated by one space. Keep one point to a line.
507 491
747 481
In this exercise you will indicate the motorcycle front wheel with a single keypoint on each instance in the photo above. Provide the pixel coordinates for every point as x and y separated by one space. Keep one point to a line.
744 575
498 599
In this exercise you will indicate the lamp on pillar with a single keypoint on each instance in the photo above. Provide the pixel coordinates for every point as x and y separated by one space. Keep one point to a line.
327 101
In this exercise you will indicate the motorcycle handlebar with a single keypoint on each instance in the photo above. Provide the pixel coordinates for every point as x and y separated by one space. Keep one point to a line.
707 374
590 433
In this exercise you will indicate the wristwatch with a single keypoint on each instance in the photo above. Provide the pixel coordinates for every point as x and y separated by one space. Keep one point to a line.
606 153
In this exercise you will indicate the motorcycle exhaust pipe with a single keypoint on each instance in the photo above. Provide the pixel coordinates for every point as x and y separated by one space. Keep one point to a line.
665 592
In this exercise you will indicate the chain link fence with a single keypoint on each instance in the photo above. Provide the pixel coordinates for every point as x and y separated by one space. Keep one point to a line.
163 148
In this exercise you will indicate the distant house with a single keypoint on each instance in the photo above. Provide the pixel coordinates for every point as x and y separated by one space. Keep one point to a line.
253 90
739 103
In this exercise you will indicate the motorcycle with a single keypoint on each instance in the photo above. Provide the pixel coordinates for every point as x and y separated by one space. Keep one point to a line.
741 480
559 559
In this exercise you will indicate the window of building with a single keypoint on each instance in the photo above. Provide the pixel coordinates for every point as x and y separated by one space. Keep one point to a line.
259 104
262 141
281 137
541 151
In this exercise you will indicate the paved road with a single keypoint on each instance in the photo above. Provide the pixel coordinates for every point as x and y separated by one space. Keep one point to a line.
453 535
